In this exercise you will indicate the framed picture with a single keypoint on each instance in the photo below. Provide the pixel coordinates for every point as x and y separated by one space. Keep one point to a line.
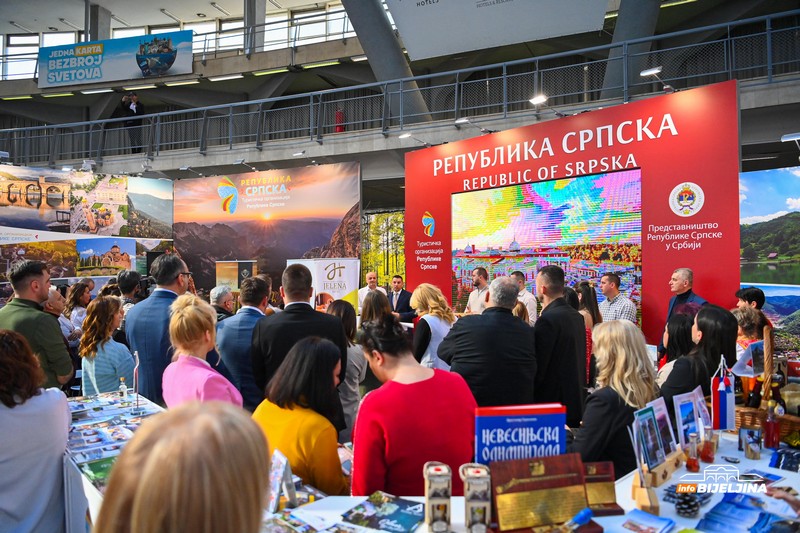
664 426
650 437
703 416
686 416
750 441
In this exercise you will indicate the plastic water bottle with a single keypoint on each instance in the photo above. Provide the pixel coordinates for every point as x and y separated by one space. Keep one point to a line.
123 389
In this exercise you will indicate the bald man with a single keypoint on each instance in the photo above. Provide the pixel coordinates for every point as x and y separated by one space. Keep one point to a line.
372 285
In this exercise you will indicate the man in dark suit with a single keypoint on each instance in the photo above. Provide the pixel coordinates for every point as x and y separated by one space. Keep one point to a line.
680 285
274 336
400 300
147 323
494 351
132 108
560 334
233 339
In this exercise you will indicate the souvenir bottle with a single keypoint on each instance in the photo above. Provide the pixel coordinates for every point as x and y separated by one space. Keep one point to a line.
692 464
772 428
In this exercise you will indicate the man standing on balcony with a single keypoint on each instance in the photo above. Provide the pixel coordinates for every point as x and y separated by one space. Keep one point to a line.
132 108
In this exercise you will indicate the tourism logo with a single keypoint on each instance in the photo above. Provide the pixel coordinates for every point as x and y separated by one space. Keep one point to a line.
428 223
686 199
721 478
229 194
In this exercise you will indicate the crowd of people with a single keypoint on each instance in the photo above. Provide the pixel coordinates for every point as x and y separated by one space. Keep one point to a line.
301 374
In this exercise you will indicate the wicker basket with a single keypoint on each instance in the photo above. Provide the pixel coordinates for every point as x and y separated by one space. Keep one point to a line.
750 417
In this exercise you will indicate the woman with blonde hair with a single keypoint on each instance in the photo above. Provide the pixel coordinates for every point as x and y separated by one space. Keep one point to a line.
192 332
436 319
165 481
625 383
104 360
521 312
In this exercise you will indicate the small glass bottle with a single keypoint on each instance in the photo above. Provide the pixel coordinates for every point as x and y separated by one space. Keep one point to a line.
708 448
692 464
772 428
123 389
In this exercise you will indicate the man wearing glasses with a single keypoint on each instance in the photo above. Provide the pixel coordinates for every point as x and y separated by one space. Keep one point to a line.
147 323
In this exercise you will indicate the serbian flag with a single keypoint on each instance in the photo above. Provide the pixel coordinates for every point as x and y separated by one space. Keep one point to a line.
722 399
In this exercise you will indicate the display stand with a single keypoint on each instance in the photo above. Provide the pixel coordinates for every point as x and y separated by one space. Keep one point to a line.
663 472
644 496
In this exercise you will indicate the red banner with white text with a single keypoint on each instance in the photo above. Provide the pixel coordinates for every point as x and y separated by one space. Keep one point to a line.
639 189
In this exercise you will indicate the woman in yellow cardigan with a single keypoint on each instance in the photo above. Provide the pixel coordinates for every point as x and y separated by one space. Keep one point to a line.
297 413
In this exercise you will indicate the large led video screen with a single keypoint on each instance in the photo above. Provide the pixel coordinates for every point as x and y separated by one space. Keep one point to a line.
587 225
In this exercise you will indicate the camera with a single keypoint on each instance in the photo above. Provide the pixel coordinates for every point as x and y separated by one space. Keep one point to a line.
146 286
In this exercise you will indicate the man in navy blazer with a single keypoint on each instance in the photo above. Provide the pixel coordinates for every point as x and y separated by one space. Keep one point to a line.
233 339
680 285
275 335
147 324
400 300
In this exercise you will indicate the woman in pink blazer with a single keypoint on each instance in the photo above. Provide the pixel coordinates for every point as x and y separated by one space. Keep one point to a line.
192 331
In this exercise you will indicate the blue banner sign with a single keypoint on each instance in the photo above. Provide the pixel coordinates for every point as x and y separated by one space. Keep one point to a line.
131 58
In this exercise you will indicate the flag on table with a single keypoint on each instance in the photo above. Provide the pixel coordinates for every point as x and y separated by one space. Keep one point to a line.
722 398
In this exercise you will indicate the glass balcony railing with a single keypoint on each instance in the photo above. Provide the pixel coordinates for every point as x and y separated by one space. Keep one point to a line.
756 51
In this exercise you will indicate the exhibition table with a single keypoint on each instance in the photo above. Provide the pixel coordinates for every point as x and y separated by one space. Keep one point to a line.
101 425
331 508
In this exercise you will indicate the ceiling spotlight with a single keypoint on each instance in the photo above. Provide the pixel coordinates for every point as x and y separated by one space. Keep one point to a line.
201 15
299 154
541 99
70 24
466 120
789 137
121 21
190 169
655 71
409 136
220 9
243 162
170 15
538 99
20 26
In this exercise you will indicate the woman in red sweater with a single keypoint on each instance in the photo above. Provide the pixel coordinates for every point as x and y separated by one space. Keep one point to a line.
418 415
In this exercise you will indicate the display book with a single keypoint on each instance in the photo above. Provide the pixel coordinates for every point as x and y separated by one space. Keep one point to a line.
379 512
519 432
101 426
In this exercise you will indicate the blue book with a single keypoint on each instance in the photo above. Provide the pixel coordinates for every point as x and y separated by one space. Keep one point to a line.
511 432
